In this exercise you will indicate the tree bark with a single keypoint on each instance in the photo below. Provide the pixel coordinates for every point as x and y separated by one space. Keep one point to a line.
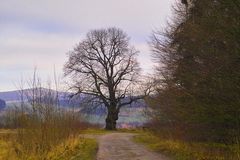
112 118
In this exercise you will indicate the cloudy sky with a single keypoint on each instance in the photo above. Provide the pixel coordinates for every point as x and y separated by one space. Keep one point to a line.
40 33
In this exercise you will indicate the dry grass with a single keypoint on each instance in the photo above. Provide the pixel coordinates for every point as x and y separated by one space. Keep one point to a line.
43 130
38 137
95 131
73 148
7 131
180 150
4 149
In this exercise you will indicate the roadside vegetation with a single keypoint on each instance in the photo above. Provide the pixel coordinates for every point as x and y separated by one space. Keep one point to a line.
4 145
195 111
74 148
182 150
93 131
37 128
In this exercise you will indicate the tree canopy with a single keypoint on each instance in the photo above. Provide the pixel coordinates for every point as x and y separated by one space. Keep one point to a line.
198 57
104 65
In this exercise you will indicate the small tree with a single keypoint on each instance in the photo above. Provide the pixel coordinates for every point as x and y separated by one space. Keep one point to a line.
104 66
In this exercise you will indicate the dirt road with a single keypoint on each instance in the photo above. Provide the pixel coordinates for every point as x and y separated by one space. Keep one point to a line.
119 146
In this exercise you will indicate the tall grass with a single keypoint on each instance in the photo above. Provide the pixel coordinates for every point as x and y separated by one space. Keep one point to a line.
40 124
182 150
237 148
36 136
75 149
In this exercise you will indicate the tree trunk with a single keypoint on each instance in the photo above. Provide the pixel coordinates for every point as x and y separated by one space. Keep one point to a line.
111 119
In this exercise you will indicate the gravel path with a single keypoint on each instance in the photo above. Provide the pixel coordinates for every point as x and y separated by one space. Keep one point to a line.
119 146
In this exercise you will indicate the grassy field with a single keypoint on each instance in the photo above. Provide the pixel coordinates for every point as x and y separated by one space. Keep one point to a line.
75 148
103 131
180 150
79 148
4 149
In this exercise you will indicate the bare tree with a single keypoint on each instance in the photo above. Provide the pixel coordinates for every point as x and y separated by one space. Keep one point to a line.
104 66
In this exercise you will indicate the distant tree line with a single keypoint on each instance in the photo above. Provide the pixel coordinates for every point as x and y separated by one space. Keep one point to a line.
2 104
198 76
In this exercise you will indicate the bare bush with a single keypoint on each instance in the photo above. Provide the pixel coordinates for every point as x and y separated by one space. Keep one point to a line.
40 123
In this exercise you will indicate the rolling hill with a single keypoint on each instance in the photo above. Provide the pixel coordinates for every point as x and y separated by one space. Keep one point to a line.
132 115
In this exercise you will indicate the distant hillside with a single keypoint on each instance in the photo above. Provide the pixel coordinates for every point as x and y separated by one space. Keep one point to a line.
10 96
16 95
130 115
63 99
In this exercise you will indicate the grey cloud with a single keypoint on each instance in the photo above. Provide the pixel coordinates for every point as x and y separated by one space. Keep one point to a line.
39 33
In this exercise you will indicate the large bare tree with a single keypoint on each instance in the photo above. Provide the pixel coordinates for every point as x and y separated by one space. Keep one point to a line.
104 65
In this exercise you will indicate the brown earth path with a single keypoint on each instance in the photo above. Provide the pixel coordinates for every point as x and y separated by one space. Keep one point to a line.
119 146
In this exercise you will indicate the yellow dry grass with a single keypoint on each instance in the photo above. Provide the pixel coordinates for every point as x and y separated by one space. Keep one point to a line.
73 148
180 150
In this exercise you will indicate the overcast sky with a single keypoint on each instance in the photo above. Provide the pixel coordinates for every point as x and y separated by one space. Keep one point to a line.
40 33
